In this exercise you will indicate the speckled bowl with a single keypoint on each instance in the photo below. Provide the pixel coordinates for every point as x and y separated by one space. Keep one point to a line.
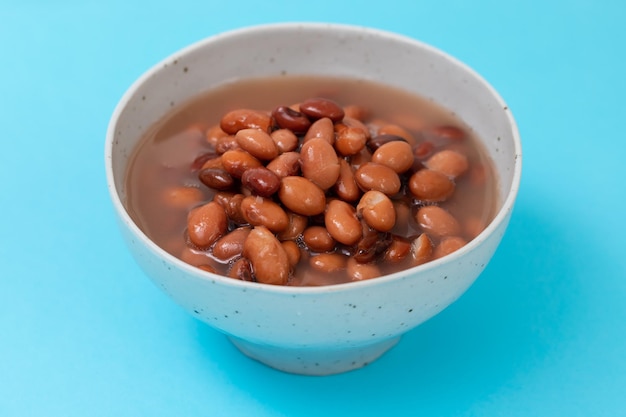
319 330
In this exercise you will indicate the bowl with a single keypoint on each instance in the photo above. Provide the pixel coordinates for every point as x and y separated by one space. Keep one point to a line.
327 329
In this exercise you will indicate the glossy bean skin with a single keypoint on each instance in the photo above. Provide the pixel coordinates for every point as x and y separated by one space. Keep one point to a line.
261 181
206 224
350 140
398 250
242 270
230 245
322 128
267 256
213 134
346 187
226 143
342 223
397 155
328 262
393 129
317 108
237 161
302 196
318 239
295 228
451 163
437 221
421 249
377 210
216 178
286 164
285 140
259 211
293 252
379 140
288 118
319 163
257 143
448 245
361 271
231 203
431 186
373 176
182 197
239 119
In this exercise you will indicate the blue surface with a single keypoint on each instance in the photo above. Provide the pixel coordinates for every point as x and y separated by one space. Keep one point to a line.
84 333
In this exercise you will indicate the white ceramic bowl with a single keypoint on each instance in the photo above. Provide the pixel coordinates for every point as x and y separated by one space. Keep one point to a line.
318 330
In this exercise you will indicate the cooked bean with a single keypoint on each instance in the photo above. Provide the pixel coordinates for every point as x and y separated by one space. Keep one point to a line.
302 196
356 112
379 140
261 181
328 262
346 187
237 161
361 158
213 134
235 120
322 128
448 245
393 129
377 210
431 186
399 249
437 221
259 211
182 197
317 239
423 150
195 257
288 118
232 206
371 245
362 271
397 155
216 178
342 223
215 162
319 163
448 162
316 108
201 159
285 140
226 143
269 260
293 252
373 176
350 141
297 224
206 224
241 270
257 143
421 249
231 245
286 164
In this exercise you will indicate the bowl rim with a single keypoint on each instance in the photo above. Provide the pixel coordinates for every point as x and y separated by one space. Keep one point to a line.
330 29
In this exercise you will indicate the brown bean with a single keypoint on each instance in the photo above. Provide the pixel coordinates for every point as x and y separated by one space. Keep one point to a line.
285 165
202 159
322 128
361 158
232 205
320 164
241 270
259 211
216 178
257 143
373 244
237 161
361 271
213 134
346 187
431 186
421 249
377 211
423 150
301 196
399 249
207 268
285 140
206 224
269 260
318 239
226 143
297 224
356 112
397 155
448 245
373 176
379 140
437 221
288 118
317 108
231 245
393 129
293 252
235 120
448 162
182 197
261 181
350 141
215 162
342 223
328 262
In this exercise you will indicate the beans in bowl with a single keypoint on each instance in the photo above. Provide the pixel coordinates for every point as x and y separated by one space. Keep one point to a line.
307 181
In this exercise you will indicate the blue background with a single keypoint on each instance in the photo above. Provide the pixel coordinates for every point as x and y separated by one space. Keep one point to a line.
84 333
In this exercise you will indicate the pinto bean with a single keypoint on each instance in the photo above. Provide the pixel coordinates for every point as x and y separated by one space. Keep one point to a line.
318 239
257 143
431 186
397 155
448 162
293 252
322 128
285 140
399 249
237 161
259 211
346 187
285 165
235 120
302 196
437 221
230 245
342 223
297 224
241 270
328 262
377 211
373 176
320 164
448 245
421 249
206 224
361 271
267 256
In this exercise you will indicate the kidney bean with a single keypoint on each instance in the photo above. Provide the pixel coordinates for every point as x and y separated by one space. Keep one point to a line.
213 134
379 140
431 186
399 249
285 140
393 129
235 120
318 239
448 245
206 224
259 211
350 141
437 221
421 249
241 269
270 263
377 211
342 223
293 252
397 155
301 196
286 164
182 197
357 112
226 143
257 143
346 187
237 161
361 271
449 133
288 118
231 245
328 262
321 128
232 206
448 162
297 224
216 178
373 176
261 181
319 164
316 108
